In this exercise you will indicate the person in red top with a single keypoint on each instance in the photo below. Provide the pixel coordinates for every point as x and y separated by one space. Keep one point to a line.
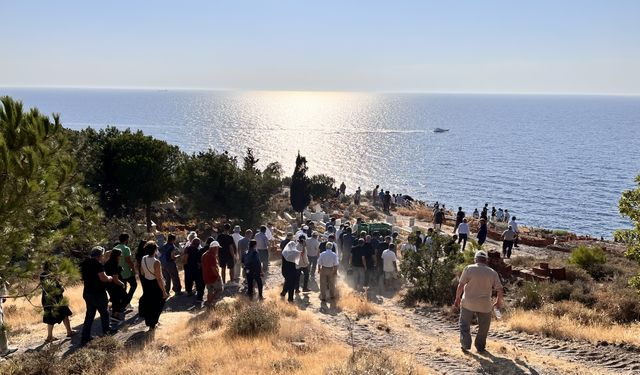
211 274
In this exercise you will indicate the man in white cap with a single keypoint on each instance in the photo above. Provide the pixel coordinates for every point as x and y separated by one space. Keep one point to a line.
328 264
473 296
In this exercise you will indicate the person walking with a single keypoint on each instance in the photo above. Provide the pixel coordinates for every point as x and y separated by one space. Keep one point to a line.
262 242
95 293
346 245
243 248
313 250
302 267
463 233
128 268
253 270
290 257
374 195
459 216
357 196
482 232
154 292
358 264
116 289
210 274
54 306
227 253
508 236
168 255
328 266
192 266
237 267
514 226
5 349
386 202
473 297
438 219
389 265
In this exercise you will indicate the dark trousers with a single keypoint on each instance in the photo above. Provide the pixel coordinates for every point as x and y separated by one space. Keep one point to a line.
251 278
302 273
118 296
506 248
170 274
95 302
463 237
289 284
313 264
153 303
481 240
263 255
133 285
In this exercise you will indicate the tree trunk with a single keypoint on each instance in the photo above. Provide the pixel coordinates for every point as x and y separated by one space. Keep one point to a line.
148 216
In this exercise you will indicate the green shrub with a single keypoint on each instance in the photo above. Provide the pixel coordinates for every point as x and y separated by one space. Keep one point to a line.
560 232
529 296
585 256
431 273
254 319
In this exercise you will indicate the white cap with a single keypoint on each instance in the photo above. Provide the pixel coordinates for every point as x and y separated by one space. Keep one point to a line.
215 244
481 254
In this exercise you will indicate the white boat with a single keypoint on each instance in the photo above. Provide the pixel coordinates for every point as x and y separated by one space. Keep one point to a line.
440 130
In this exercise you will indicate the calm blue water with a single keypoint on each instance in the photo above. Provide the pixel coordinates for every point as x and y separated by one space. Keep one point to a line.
554 161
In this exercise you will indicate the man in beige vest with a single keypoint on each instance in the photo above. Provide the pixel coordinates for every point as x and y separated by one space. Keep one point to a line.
473 296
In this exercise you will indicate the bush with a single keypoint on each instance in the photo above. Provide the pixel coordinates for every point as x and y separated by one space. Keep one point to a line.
589 258
560 291
529 296
574 274
582 293
321 187
621 304
373 362
431 274
254 319
577 312
526 261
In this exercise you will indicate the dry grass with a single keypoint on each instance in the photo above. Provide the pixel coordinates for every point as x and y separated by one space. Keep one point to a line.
573 321
355 302
299 346
419 212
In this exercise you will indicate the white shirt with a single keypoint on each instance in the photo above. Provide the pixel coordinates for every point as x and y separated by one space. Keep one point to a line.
406 247
388 257
236 237
328 258
463 228
269 234
514 225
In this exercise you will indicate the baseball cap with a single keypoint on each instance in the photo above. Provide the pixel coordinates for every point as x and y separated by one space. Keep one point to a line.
481 254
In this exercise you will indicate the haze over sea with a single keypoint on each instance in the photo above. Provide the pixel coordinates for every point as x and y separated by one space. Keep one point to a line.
554 161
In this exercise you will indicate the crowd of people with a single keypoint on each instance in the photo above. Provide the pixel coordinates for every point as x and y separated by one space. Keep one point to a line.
366 260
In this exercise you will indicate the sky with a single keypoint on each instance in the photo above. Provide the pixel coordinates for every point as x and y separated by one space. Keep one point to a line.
560 46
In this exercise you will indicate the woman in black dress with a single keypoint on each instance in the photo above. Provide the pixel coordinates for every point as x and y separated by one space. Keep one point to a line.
153 292
55 307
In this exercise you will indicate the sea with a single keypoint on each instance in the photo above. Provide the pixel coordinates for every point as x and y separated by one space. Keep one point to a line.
554 161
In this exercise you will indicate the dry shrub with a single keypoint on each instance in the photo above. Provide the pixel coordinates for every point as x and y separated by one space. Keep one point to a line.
560 291
254 319
577 312
567 326
419 212
286 365
574 273
375 362
357 303
95 358
524 261
619 302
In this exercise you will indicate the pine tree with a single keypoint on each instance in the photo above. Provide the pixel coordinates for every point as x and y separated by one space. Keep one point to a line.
300 195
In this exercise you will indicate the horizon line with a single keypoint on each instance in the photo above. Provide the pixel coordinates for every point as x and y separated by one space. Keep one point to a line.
426 92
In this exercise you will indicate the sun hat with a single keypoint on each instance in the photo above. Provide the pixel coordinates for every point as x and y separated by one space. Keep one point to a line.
481 254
